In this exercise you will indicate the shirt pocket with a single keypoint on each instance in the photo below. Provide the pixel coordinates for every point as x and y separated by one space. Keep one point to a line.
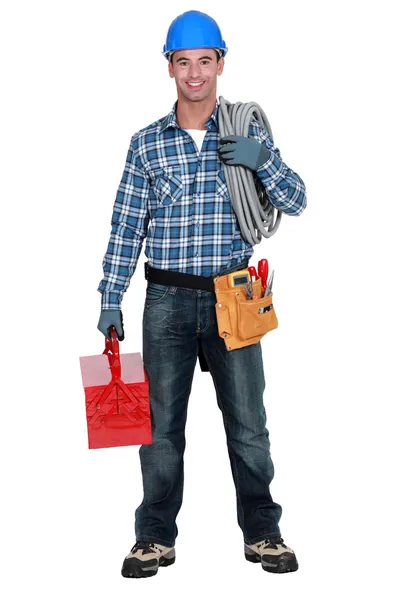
168 186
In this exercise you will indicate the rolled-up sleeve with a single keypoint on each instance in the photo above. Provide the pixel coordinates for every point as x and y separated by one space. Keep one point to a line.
129 224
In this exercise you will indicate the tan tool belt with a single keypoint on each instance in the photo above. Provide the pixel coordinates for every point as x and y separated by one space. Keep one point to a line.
242 322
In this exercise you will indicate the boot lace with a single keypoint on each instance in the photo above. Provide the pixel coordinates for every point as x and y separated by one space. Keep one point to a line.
147 547
271 543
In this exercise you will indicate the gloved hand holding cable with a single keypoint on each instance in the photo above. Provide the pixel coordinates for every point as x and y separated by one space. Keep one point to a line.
240 150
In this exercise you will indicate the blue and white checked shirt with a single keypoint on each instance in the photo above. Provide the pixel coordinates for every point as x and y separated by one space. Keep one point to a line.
178 199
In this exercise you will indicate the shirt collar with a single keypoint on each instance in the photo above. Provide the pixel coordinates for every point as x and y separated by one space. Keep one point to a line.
170 119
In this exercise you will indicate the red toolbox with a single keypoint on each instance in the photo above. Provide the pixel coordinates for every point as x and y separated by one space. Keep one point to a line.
117 398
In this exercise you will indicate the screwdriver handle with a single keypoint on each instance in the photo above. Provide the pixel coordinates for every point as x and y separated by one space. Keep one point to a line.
253 273
263 271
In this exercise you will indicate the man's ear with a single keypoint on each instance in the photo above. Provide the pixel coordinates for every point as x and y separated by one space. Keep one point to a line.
170 69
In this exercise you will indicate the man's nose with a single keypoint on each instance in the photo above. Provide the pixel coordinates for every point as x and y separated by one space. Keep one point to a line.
195 72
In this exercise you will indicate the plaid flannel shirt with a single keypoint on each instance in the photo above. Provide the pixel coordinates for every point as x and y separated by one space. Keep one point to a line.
178 199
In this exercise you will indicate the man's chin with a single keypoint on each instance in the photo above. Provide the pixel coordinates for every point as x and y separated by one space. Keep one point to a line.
195 97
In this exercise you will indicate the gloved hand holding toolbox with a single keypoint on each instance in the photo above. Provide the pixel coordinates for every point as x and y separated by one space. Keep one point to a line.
244 308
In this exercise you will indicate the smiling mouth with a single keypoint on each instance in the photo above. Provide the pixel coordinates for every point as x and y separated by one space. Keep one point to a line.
195 87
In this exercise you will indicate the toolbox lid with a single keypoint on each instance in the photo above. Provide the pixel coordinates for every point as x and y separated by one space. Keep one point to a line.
96 369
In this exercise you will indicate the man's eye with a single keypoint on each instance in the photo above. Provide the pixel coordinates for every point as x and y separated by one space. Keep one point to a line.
184 63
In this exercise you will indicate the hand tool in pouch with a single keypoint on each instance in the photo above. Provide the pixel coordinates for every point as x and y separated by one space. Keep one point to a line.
269 285
238 278
263 271
253 273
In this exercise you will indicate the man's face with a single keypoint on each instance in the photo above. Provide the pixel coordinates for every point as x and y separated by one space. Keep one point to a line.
196 66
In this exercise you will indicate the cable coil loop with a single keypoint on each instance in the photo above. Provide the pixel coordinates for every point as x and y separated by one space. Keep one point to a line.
255 214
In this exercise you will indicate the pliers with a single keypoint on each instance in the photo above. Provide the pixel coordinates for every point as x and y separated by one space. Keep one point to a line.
249 290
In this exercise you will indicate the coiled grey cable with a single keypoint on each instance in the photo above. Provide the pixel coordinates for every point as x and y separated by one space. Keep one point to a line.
254 212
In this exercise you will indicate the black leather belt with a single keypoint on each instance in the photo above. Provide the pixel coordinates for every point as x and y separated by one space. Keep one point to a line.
178 279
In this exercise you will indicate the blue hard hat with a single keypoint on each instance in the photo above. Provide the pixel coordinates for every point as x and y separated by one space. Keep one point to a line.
194 29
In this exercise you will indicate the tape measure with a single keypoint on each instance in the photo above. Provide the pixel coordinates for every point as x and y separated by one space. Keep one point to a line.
238 278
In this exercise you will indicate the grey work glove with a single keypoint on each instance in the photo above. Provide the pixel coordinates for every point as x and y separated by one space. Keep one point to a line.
240 150
109 319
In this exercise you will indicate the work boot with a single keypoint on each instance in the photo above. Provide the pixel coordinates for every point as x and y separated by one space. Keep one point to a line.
145 558
273 554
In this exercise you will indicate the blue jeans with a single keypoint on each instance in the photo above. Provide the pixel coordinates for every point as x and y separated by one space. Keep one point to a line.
175 321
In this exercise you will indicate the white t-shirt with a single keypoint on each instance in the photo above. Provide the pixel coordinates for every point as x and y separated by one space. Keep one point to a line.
198 136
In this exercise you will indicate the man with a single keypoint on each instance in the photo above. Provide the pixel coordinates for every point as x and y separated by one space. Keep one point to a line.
173 191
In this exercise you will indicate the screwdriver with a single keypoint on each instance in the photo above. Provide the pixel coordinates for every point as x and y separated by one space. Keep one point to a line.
263 271
269 286
253 273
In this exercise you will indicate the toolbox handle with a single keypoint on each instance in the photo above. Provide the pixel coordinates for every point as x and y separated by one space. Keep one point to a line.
112 351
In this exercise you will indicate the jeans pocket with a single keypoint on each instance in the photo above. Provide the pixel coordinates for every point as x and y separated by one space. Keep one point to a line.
155 293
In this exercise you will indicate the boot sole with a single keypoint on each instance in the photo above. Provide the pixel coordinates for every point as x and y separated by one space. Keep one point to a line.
286 563
134 568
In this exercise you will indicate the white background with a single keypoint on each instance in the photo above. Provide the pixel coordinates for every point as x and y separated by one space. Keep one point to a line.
78 80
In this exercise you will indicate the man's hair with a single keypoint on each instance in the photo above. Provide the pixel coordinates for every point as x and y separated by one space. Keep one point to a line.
217 52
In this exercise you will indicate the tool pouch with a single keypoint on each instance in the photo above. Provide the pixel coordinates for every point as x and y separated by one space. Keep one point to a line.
242 322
